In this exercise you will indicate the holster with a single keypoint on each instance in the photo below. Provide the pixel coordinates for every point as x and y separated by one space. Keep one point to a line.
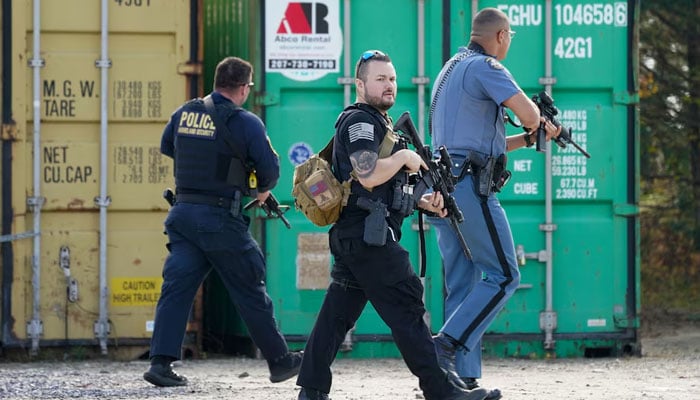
237 174
376 225
235 208
492 176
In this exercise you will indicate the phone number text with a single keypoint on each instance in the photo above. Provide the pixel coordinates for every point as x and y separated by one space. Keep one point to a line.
301 64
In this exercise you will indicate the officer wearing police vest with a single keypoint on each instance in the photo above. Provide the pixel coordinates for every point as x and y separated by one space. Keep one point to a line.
470 95
369 264
206 229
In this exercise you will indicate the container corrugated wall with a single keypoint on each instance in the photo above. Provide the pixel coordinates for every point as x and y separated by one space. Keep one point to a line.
580 288
61 296
574 219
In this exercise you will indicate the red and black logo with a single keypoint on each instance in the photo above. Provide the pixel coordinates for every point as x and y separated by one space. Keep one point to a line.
299 19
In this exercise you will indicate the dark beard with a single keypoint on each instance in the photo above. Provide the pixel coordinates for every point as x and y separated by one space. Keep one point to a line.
379 103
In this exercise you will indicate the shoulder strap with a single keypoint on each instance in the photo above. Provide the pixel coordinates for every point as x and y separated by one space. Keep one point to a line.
390 138
221 126
441 85
327 152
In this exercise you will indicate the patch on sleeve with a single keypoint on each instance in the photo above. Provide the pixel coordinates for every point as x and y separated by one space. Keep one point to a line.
361 130
493 63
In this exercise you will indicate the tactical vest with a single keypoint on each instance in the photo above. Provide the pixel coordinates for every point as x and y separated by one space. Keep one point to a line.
203 159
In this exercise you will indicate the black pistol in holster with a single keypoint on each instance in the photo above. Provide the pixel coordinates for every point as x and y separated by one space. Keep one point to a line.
169 196
492 176
376 226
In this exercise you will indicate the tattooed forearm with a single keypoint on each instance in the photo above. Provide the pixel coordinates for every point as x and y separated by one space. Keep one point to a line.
364 162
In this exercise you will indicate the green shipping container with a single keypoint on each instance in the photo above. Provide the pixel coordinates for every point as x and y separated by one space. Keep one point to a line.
574 219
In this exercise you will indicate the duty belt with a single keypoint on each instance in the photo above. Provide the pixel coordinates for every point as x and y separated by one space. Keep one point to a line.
215 201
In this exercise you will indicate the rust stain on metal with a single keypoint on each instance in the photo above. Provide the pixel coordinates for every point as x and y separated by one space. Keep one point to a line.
76 203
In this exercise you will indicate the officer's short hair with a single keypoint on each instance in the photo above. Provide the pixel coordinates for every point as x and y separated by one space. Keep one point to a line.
232 72
489 20
367 57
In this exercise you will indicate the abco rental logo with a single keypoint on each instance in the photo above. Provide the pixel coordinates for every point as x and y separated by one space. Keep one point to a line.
304 18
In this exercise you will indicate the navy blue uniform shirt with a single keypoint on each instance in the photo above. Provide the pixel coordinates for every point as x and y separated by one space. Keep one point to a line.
202 156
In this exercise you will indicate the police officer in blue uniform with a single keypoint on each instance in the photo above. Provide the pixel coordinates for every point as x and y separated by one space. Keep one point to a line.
206 229
470 95
369 263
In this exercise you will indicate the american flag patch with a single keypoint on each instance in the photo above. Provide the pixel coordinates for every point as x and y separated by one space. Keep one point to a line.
361 130
318 188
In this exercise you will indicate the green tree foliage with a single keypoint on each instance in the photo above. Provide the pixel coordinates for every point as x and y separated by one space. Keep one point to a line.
670 152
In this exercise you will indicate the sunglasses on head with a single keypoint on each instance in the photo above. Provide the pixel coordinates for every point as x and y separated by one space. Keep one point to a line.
367 55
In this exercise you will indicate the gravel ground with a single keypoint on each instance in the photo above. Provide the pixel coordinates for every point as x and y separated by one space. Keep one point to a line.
668 369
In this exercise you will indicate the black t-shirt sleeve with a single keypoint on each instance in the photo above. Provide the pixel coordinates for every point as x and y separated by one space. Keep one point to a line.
360 132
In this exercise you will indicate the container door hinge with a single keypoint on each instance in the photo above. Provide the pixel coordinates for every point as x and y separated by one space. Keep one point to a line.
626 97
35 203
9 131
190 68
548 323
101 329
103 63
548 227
346 80
547 81
35 329
420 80
103 201
548 320
626 210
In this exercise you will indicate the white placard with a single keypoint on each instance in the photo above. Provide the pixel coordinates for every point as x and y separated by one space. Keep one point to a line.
303 40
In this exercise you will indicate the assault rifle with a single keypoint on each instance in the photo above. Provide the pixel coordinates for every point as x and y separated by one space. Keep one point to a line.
438 176
547 109
272 209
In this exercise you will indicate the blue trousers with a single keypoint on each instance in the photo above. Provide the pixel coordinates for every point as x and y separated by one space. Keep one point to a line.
202 238
477 289
384 277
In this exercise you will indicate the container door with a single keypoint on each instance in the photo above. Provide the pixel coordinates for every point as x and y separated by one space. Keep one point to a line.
147 58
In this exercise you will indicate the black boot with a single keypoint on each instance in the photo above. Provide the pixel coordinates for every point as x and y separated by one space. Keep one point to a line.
445 348
163 375
461 394
312 394
285 367
493 394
